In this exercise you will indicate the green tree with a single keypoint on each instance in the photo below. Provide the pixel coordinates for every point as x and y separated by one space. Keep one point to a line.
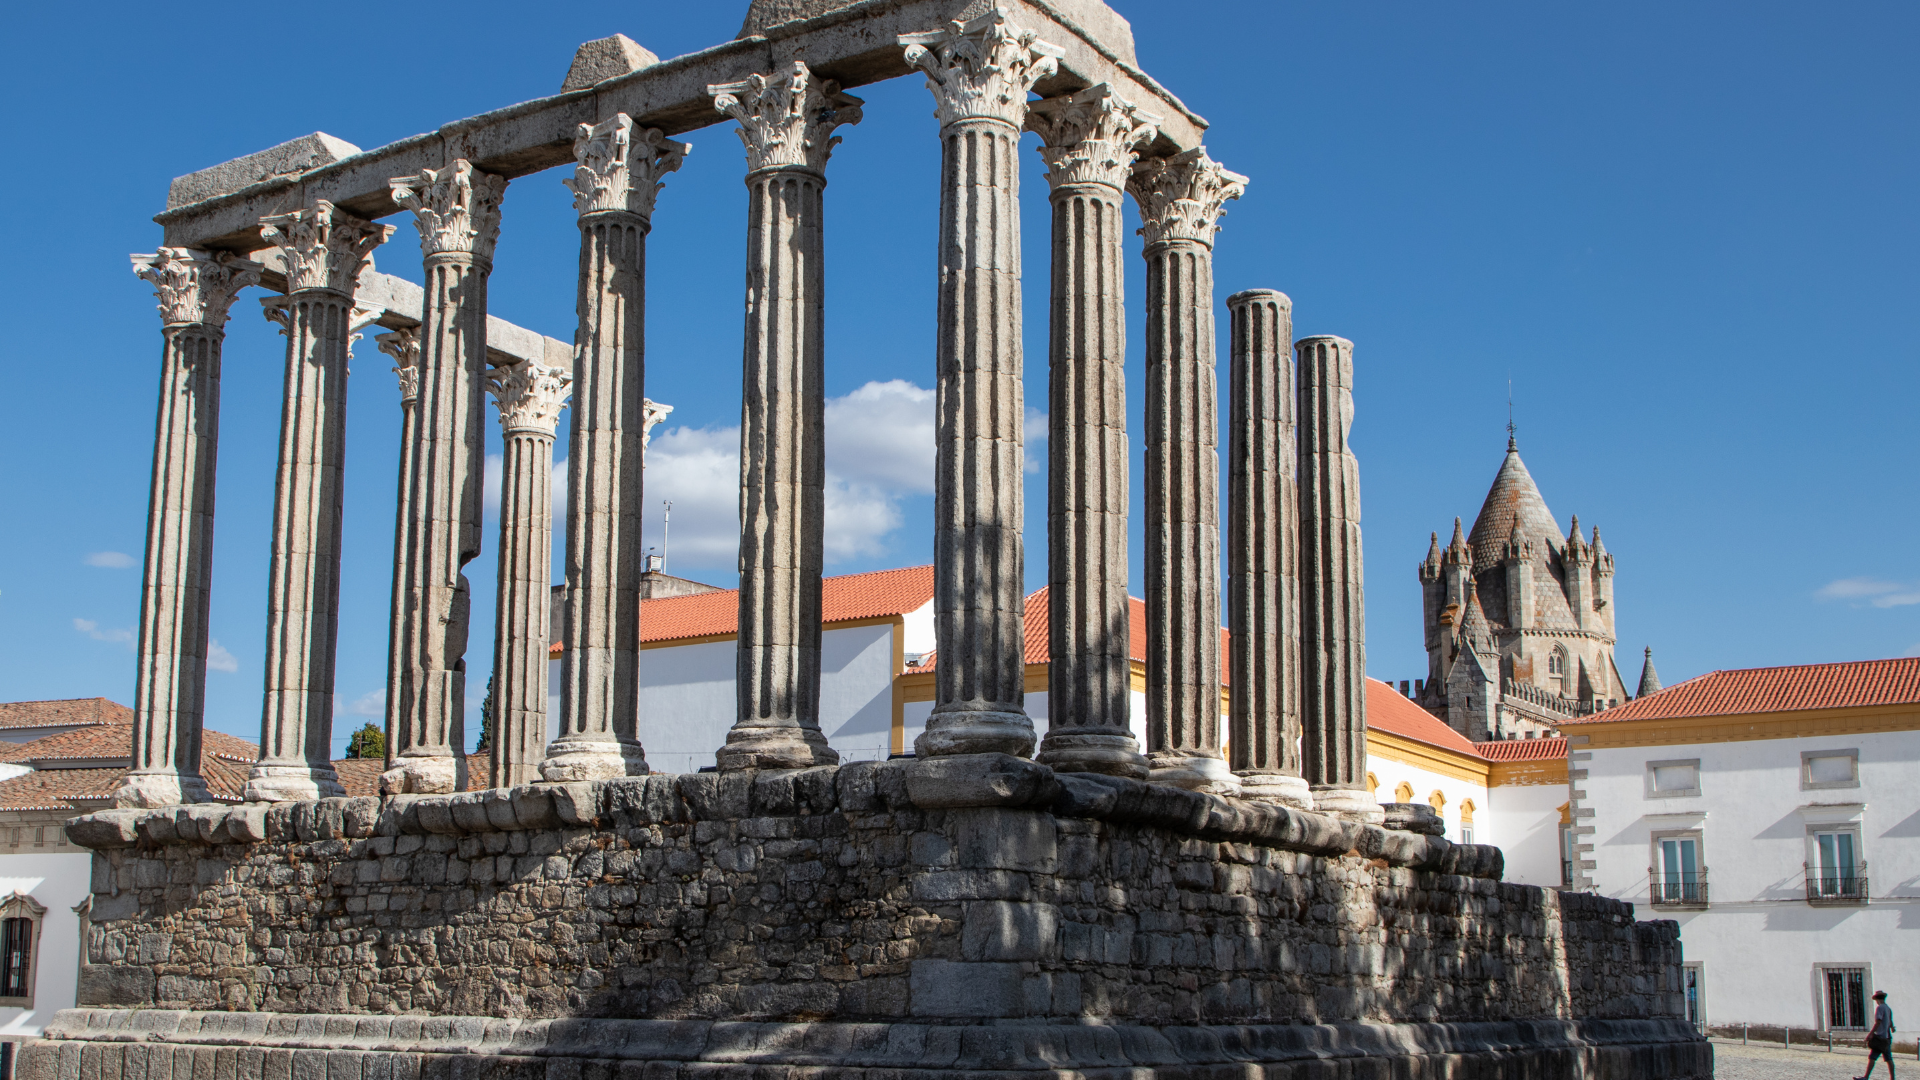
368 742
486 721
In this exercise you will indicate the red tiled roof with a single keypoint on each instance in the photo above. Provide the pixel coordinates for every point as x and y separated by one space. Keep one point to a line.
94 710
361 776
1389 711
1523 749
1776 689
57 789
842 599
1037 624
109 741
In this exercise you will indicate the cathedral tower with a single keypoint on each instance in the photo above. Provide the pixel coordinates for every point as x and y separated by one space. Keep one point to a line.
1519 619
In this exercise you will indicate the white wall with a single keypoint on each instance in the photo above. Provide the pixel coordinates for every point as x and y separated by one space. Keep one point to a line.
59 882
1759 940
856 691
1390 772
1526 820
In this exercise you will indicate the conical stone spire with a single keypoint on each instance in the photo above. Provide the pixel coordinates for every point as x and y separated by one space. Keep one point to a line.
1649 678
1514 499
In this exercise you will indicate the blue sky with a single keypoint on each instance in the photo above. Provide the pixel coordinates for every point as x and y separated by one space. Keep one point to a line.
1685 232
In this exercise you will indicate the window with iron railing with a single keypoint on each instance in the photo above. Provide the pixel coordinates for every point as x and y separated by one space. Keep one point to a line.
1679 878
1837 875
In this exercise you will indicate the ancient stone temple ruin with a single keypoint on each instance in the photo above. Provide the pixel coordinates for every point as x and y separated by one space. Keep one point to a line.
1001 904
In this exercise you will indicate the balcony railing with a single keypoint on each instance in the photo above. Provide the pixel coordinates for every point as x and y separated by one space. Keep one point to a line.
1837 885
1680 890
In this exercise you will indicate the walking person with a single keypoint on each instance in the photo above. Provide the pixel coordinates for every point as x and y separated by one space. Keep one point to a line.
1880 1036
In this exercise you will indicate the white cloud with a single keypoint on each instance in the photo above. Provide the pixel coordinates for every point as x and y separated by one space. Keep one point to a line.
1864 590
698 471
372 703
92 630
881 436
219 659
1036 440
111 560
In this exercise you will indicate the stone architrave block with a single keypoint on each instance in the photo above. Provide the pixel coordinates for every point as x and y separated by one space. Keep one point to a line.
287 159
1004 930
997 839
606 58
964 780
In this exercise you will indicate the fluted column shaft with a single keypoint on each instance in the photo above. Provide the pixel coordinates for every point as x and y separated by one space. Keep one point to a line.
530 397
170 682
404 347
1263 601
1180 200
784 122
1333 657
457 210
614 187
1090 138
980 73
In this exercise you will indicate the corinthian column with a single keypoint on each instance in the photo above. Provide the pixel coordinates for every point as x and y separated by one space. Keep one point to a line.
980 72
1180 206
1263 540
195 289
404 347
786 123
613 187
1091 140
324 249
457 211
530 396
1333 638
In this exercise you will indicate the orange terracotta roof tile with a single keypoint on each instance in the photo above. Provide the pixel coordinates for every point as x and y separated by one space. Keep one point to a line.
1523 749
1776 689
96 710
111 741
360 776
58 789
1389 711
850 596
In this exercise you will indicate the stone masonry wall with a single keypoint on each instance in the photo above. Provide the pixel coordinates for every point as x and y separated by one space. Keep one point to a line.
949 891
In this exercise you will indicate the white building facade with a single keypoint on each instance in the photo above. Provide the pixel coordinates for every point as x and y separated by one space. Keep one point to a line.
1775 814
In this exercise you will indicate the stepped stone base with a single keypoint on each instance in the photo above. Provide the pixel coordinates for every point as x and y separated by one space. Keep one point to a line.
168 1045
974 916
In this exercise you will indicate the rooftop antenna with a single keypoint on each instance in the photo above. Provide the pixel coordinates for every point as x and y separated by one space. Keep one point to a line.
1511 445
666 529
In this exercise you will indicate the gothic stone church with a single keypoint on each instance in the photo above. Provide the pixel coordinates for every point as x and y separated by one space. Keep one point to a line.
1518 617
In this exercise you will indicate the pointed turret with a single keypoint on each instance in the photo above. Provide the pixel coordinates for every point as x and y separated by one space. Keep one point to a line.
1429 569
1649 678
1475 633
1513 499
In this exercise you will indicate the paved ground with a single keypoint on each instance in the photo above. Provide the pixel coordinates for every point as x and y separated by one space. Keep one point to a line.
1731 1061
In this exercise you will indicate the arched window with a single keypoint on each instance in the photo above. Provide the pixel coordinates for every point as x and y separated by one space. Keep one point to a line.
1373 784
1555 665
20 918
1438 800
1403 793
1466 821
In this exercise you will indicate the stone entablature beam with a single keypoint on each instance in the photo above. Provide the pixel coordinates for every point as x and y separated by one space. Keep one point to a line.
672 96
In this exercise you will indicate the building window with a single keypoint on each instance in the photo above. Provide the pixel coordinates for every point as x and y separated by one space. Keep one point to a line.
1829 769
1566 854
1673 779
1466 820
1403 792
20 919
1373 785
1679 874
1845 997
1693 986
1836 873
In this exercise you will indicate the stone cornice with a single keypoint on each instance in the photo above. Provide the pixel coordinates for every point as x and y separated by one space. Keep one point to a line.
323 246
1184 196
195 288
981 69
619 168
530 395
787 121
1092 136
457 209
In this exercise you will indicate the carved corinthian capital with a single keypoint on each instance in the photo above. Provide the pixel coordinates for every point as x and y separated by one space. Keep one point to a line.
195 287
1183 197
530 395
404 346
324 246
983 68
652 414
786 121
457 208
1092 136
619 168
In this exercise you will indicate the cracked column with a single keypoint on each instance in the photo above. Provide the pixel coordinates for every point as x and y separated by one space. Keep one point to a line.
980 72
614 185
1263 541
1091 138
195 289
457 212
1333 641
786 123
530 396
324 249
1180 201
